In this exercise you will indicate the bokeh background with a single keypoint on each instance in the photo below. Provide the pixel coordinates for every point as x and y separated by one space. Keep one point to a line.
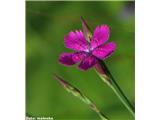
46 25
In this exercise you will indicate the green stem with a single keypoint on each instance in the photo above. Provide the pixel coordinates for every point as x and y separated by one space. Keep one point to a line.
108 78
76 92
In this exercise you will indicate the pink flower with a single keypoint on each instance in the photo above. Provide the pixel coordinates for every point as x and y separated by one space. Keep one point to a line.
87 53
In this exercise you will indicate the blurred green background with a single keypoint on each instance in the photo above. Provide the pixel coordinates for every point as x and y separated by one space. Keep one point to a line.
46 25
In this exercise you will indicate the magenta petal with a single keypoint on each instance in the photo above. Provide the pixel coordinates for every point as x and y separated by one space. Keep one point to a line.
71 58
105 50
101 34
76 41
88 62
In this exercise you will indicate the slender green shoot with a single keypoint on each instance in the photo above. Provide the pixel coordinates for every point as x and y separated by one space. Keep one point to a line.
77 93
104 73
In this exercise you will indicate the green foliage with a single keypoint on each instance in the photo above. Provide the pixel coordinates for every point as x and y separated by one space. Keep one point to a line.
46 25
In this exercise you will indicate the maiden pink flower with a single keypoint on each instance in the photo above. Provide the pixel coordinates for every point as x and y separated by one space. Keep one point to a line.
87 53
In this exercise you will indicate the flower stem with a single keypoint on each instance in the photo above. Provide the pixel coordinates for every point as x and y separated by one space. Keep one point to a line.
107 77
76 92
